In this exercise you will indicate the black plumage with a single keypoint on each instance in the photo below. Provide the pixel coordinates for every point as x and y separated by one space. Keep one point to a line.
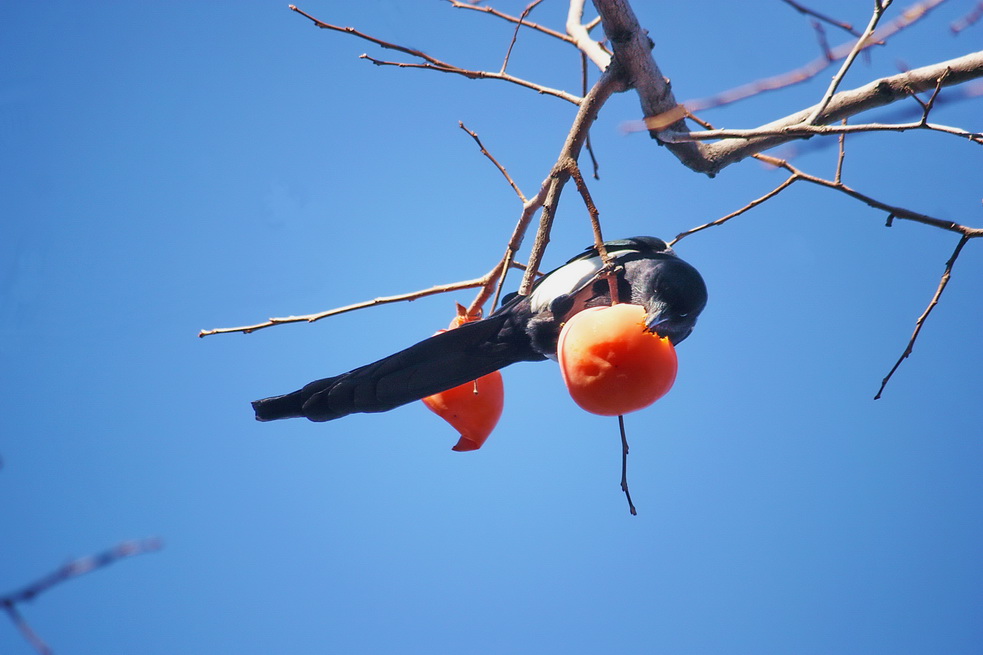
524 328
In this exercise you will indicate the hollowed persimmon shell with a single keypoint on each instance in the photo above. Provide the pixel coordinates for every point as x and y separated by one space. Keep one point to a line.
472 408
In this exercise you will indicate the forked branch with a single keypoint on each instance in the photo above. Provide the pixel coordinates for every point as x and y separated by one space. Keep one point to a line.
72 569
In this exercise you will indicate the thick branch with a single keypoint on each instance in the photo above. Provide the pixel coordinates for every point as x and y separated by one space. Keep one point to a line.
633 52
580 35
714 157
803 130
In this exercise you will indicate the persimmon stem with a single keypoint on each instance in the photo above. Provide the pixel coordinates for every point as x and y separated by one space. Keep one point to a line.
624 464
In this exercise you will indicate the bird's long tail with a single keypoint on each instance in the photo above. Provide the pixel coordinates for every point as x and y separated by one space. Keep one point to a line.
441 362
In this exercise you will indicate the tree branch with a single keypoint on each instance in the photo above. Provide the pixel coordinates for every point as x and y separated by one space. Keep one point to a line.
865 40
632 51
803 131
432 63
513 19
928 310
826 19
610 82
310 318
713 158
808 71
580 36
70 570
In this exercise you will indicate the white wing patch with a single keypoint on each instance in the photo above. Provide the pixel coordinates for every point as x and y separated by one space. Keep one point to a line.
563 281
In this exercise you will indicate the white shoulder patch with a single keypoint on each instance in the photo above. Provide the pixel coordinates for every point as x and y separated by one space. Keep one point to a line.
563 281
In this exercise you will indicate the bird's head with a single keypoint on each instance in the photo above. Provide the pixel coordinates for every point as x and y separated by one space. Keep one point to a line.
675 296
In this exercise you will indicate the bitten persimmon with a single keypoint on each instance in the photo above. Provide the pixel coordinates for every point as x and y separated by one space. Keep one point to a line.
611 363
472 408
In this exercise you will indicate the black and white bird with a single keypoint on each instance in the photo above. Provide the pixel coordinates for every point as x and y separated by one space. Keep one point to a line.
524 328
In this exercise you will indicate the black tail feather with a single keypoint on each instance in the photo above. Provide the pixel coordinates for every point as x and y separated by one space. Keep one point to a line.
289 405
431 366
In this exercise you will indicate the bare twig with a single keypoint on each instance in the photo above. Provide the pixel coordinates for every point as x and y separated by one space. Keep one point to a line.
796 175
310 318
496 277
841 155
26 630
610 268
865 40
624 465
826 19
928 310
894 210
513 19
587 143
712 158
484 151
70 570
515 34
798 75
432 63
968 20
734 214
610 82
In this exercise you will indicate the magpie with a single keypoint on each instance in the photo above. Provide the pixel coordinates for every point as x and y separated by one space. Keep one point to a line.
524 328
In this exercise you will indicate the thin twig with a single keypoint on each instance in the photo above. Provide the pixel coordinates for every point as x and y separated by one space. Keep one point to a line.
72 569
609 270
826 19
515 34
624 464
484 151
751 205
26 630
841 155
865 40
513 19
897 212
967 20
928 310
496 277
583 90
478 75
310 318
837 185
432 63
927 106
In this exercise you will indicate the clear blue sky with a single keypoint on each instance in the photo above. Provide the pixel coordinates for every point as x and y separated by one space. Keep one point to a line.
168 167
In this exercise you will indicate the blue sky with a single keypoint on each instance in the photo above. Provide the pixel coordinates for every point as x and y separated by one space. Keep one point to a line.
169 167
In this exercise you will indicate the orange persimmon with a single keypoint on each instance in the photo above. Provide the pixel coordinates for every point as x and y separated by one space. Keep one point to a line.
611 363
472 408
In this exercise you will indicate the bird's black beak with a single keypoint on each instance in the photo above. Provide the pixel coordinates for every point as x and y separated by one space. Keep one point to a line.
670 327
657 323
